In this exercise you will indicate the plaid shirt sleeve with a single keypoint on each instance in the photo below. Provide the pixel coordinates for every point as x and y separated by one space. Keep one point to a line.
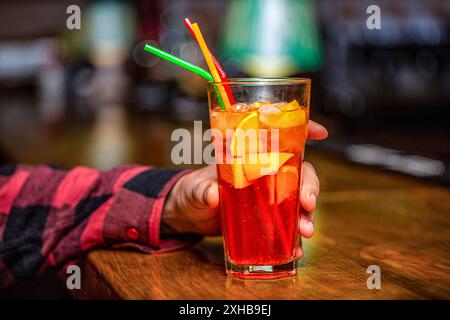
50 216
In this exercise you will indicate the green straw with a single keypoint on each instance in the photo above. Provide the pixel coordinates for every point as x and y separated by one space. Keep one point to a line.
184 64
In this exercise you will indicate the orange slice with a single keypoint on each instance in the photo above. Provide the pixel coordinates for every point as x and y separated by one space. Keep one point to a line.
262 164
287 182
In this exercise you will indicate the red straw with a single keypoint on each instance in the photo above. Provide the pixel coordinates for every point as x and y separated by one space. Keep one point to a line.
222 74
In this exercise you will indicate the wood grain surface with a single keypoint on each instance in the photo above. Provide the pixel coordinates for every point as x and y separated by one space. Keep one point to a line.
364 217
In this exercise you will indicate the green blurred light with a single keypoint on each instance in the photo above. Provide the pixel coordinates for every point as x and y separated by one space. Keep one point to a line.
272 37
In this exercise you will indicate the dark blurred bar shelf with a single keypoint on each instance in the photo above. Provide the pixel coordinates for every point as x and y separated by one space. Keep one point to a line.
389 159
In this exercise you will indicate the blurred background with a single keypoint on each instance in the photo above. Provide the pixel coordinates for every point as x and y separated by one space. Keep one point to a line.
93 97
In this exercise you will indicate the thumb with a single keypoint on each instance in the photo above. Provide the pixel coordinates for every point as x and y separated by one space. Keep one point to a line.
205 194
202 190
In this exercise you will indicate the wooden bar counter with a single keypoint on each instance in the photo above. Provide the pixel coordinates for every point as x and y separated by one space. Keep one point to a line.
364 217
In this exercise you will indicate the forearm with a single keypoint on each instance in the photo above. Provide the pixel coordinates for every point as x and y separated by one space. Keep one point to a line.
50 216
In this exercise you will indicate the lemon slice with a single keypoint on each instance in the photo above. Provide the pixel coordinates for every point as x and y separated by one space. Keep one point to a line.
287 116
256 105
236 169
239 179
291 106
262 164
239 136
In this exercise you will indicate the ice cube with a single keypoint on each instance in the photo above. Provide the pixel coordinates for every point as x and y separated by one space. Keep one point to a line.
269 109
278 104
242 107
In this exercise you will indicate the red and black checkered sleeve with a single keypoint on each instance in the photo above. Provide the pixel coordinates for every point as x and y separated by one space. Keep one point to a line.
51 216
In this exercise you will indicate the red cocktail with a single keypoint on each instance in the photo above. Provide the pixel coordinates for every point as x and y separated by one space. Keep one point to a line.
259 146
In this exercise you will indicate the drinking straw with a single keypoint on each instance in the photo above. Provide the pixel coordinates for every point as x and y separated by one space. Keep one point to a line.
210 63
184 64
222 74
179 62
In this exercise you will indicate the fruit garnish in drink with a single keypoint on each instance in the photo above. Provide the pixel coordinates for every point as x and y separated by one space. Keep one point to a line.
287 116
249 160
291 106
234 175
256 105
238 178
240 147
261 164
222 120
286 182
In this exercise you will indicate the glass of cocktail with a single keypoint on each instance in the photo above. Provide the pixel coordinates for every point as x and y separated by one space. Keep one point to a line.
259 144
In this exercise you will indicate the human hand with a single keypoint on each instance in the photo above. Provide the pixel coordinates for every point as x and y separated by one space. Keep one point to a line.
192 205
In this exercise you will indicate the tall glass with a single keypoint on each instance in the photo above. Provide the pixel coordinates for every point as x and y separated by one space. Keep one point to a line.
259 143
